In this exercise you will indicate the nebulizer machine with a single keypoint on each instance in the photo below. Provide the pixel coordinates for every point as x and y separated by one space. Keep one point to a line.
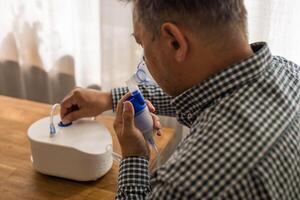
82 150
142 118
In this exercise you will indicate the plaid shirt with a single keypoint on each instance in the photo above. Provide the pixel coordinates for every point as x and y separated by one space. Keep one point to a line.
244 140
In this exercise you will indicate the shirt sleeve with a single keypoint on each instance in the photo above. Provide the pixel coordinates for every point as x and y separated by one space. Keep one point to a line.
134 182
134 179
160 100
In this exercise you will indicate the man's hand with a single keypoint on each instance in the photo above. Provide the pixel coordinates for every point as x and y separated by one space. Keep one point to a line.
82 103
130 138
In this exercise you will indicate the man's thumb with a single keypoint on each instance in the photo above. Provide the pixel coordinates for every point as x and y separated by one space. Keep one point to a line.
72 116
128 115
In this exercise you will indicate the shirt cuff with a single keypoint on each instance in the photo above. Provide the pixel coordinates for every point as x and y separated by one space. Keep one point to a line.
117 94
134 172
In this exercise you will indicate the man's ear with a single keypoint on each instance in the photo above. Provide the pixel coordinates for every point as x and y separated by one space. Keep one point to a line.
175 40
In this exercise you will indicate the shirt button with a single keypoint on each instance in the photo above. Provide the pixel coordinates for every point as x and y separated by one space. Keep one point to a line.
190 116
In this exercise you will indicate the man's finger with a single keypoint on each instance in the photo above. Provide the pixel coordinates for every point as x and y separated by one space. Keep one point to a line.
150 106
65 105
128 117
119 110
73 116
156 122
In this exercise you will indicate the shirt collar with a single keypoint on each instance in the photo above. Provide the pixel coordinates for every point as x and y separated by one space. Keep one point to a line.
190 103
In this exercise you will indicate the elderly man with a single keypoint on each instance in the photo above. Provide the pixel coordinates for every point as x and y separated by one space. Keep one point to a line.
240 102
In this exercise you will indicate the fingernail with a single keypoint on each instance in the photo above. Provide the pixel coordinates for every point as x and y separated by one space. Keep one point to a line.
65 121
126 106
158 124
152 107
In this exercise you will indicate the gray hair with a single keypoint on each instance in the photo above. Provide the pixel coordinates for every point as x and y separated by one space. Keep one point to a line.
196 14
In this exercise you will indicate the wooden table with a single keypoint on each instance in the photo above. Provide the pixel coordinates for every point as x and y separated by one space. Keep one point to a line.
18 179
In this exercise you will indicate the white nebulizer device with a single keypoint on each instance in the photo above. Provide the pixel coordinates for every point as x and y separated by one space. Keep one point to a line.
142 116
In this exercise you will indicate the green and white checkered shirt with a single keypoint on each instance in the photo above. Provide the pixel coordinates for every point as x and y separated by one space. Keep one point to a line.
244 140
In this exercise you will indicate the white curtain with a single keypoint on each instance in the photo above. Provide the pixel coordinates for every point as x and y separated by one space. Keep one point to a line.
46 30
278 23
120 53
48 47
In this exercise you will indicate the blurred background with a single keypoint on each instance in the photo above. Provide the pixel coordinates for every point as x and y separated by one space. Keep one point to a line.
47 47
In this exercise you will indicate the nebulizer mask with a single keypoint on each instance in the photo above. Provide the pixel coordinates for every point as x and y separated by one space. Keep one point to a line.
142 76
142 117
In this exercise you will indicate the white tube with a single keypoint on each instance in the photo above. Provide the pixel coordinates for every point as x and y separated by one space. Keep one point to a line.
52 126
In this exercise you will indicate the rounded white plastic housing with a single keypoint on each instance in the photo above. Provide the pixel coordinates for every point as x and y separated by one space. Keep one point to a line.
144 123
81 152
